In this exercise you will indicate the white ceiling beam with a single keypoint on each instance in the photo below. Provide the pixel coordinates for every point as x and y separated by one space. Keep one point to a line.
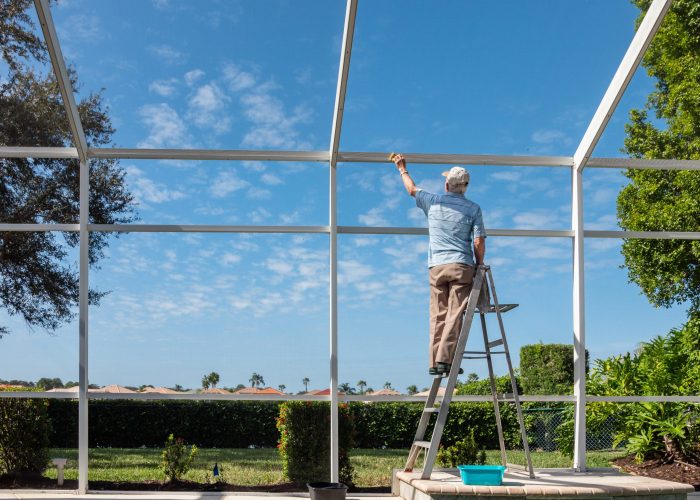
623 75
38 152
64 84
208 154
643 164
343 72
463 159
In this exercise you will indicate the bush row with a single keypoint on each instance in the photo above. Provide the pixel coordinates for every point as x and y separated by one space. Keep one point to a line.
241 424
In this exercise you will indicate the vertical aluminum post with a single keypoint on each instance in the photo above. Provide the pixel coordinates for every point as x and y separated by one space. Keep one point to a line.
579 323
343 71
83 329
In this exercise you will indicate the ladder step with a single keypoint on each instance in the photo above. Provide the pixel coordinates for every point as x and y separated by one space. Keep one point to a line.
422 444
431 410
495 343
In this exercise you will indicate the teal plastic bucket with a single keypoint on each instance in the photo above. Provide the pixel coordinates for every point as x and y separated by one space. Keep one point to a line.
486 475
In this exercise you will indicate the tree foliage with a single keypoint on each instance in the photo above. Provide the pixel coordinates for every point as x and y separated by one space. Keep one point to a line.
667 271
35 281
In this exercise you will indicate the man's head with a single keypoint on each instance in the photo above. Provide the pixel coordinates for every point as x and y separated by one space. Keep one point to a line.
457 180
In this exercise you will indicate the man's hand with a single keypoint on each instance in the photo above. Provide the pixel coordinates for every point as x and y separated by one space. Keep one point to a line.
399 161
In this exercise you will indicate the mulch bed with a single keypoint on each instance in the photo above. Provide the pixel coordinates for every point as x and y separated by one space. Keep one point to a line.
44 483
677 472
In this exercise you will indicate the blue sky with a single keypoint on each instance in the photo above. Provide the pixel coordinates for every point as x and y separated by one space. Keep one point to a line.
499 77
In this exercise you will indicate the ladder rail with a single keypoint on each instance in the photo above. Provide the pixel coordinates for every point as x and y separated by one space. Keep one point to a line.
494 393
516 396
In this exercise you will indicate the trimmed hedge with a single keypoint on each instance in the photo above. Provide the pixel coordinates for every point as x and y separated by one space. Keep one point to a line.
240 424
548 368
24 434
305 443
131 424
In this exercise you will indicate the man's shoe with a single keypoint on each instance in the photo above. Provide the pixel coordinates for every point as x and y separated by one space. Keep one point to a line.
433 370
444 369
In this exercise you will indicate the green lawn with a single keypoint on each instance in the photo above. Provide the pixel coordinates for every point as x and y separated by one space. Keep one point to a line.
254 467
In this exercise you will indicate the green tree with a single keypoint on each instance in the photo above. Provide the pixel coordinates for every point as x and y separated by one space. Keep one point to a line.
411 390
205 382
256 380
472 377
306 382
213 379
361 384
281 387
667 271
37 284
49 383
387 385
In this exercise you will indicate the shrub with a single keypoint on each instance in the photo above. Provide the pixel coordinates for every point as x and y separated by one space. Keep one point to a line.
176 458
548 368
464 452
24 434
305 442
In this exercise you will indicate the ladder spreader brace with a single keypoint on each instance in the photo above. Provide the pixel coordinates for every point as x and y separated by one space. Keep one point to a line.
478 301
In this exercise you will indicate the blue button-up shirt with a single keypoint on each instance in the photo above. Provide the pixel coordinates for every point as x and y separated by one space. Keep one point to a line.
453 221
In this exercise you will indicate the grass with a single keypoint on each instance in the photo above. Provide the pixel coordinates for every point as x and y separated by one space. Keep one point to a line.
262 466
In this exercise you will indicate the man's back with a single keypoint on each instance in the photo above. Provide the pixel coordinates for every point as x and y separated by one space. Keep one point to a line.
453 221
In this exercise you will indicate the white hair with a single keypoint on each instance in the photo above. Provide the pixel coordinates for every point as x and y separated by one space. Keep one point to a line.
457 188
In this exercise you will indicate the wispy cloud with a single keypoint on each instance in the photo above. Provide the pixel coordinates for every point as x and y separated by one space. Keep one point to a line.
236 78
549 136
271 179
164 88
226 183
191 77
166 128
205 108
146 190
167 54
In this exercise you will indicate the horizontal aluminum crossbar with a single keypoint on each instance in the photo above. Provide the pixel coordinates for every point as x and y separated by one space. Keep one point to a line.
643 164
644 235
33 152
343 397
209 154
464 159
39 227
196 228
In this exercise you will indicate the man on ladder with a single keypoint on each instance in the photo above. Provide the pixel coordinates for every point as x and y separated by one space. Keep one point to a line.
454 224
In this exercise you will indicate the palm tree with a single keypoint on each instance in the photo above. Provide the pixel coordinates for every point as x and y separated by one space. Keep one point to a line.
306 381
213 379
281 387
256 380
205 382
361 384
346 388
387 385
411 389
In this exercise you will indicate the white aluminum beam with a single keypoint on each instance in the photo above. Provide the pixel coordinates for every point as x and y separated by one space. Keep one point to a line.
30 228
83 292
579 324
463 159
643 164
64 84
642 38
38 152
644 235
336 127
422 231
208 154
195 228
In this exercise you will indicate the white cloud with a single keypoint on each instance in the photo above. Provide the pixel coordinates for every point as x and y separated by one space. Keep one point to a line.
277 266
230 258
374 217
364 241
166 127
271 179
506 176
167 54
164 88
604 222
237 79
272 126
191 77
259 194
226 183
353 272
549 136
206 106
259 215
538 219
83 27
146 190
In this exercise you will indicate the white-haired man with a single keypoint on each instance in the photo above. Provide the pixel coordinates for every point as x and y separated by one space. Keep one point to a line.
455 225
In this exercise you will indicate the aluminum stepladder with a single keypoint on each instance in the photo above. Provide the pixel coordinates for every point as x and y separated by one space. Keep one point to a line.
478 302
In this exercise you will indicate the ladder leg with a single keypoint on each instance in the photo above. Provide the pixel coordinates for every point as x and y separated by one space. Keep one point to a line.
422 425
494 392
513 384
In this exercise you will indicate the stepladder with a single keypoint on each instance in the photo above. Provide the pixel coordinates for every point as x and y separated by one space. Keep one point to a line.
482 300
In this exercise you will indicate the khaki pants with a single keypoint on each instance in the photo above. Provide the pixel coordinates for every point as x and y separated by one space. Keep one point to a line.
450 285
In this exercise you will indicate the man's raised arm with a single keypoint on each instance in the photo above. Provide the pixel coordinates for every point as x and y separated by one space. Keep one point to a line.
408 183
